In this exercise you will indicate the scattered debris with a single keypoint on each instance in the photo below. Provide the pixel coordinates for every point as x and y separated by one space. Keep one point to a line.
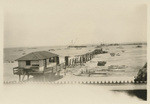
101 63
138 46
88 72
51 50
112 54
118 54
117 67
99 51
123 50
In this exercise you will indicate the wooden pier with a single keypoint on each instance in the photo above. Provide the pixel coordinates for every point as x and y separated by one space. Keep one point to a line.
82 58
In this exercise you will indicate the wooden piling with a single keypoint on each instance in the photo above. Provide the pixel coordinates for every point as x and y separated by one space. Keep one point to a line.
80 60
28 76
19 77
66 60
70 62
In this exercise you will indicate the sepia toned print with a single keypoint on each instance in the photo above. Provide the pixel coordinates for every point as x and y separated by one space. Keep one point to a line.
101 43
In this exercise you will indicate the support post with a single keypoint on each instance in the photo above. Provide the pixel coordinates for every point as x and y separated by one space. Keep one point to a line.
28 77
80 60
66 60
72 61
58 73
19 77
90 56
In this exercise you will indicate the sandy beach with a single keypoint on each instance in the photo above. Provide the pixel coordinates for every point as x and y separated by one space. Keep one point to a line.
132 58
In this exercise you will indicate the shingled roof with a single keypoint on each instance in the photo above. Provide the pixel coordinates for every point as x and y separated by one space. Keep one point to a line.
39 55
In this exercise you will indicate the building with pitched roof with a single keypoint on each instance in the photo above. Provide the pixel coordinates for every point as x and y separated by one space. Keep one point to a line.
36 63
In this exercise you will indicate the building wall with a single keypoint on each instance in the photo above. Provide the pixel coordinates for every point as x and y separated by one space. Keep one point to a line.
50 64
23 64
40 63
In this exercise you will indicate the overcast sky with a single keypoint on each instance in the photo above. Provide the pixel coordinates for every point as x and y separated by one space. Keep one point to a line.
57 22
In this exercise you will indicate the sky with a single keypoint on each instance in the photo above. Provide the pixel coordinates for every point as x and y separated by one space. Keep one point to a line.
30 23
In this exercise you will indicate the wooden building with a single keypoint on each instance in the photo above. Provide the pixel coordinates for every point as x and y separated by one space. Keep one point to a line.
36 63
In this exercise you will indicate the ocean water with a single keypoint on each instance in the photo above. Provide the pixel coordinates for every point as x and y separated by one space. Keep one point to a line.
131 57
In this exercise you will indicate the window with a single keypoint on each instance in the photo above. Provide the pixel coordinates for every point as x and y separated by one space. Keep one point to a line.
28 62
52 59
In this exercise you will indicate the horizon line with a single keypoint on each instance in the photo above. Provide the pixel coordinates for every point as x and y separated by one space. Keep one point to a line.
76 45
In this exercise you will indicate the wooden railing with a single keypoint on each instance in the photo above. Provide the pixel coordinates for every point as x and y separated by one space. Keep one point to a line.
55 69
17 70
35 69
21 70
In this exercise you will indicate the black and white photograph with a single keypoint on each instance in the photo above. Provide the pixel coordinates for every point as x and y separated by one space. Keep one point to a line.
91 45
